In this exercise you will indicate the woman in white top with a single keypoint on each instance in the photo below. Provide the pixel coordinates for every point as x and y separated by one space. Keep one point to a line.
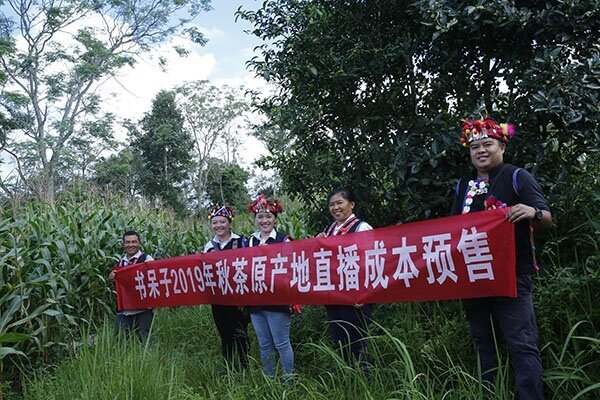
271 322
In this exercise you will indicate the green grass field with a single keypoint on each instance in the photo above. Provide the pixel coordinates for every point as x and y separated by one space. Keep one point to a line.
183 361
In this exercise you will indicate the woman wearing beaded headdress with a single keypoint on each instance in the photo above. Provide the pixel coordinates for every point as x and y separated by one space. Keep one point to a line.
231 321
348 325
271 323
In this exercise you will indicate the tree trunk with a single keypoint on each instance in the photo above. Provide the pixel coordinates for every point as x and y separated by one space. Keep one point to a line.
48 184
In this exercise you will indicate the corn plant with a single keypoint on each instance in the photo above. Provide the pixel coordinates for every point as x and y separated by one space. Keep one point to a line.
54 262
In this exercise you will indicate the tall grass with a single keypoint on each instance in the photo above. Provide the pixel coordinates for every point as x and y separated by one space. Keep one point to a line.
54 262
112 367
183 362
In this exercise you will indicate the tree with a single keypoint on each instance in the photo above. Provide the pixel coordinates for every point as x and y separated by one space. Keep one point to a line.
227 185
213 117
61 54
86 148
164 149
370 94
119 172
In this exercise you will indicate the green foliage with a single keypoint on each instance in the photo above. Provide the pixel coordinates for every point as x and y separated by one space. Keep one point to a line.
49 82
55 259
112 367
226 184
576 235
292 220
370 95
164 149
119 172
419 351
54 262
213 117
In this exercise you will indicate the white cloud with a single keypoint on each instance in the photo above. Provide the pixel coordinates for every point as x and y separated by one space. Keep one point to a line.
211 33
130 93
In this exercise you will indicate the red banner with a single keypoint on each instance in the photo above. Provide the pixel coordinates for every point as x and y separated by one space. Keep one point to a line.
448 258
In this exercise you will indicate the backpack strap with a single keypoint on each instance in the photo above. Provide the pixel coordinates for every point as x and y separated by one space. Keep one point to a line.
460 192
280 237
457 194
515 180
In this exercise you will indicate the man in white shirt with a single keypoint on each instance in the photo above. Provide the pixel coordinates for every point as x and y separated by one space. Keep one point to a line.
139 321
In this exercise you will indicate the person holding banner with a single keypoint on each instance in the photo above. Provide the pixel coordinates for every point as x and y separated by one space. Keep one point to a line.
231 321
271 323
139 321
348 325
495 184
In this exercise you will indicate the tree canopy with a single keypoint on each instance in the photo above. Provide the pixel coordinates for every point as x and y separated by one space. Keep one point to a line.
164 149
371 94
53 57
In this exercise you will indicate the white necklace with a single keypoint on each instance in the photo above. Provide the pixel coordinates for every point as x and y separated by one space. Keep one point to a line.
475 188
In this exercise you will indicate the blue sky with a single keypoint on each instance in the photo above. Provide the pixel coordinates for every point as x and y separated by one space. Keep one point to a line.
221 61
230 44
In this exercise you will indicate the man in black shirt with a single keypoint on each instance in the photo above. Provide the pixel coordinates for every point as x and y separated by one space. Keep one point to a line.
492 185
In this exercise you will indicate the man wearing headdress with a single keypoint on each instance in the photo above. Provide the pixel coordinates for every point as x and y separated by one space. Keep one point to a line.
495 184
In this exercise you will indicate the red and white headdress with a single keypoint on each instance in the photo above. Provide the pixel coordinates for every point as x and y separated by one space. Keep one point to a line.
262 204
477 129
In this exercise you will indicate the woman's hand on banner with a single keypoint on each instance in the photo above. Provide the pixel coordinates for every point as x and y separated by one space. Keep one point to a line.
296 308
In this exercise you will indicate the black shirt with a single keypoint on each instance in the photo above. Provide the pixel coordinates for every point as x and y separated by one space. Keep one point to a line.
510 185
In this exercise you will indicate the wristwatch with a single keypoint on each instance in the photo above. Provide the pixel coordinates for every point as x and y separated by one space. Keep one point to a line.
539 215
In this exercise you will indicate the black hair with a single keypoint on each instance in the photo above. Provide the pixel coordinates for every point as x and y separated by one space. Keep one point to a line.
131 233
344 192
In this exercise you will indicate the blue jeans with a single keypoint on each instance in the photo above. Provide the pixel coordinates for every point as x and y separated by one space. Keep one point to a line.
513 320
273 332
139 323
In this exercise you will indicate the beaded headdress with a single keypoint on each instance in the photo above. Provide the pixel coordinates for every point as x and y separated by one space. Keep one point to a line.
477 129
262 204
221 211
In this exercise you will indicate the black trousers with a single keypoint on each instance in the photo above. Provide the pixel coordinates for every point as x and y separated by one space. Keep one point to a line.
348 326
514 321
232 325
139 323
